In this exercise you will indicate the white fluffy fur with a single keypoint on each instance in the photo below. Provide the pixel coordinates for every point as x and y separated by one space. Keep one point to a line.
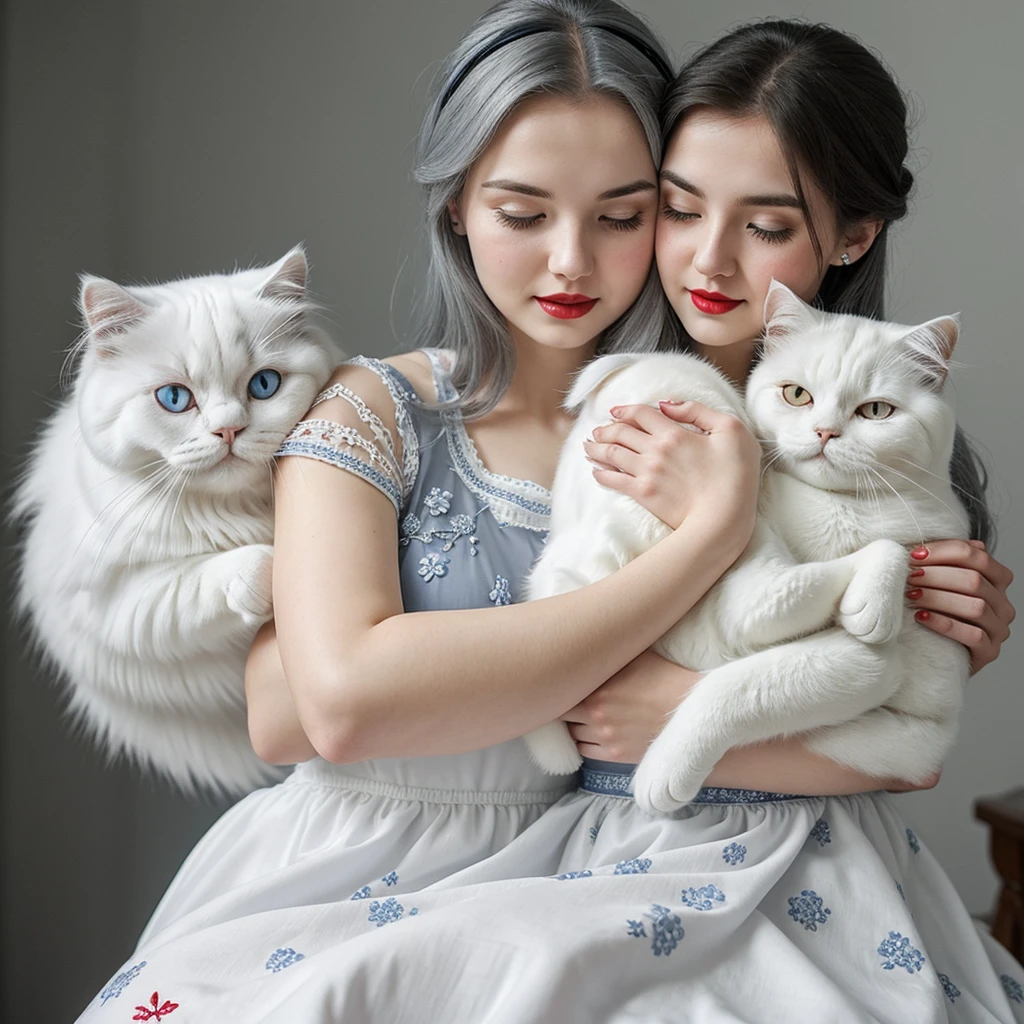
808 630
146 564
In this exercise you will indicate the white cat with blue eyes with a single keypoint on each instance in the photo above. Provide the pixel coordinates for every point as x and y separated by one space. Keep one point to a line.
146 563
808 631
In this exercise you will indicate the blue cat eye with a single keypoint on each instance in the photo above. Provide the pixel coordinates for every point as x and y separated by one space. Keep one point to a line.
264 383
174 397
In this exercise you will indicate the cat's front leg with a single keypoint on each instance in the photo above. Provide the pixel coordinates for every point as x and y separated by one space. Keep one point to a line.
167 612
872 607
818 680
676 764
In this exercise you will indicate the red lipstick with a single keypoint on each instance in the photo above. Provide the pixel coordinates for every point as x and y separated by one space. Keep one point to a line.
565 306
714 303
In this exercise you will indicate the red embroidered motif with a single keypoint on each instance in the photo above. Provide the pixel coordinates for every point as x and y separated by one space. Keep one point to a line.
157 1011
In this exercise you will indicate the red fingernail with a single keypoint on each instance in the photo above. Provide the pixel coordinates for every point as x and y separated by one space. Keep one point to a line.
919 553
913 594
916 572
922 615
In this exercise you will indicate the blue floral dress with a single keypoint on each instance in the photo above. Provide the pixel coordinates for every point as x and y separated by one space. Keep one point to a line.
475 888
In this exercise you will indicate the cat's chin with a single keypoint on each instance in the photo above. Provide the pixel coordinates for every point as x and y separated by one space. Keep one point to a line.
818 472
230 474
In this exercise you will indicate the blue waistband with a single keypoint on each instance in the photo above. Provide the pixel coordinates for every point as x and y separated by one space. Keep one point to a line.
613 779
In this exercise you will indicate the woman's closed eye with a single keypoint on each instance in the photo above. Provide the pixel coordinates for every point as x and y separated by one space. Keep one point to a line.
517 221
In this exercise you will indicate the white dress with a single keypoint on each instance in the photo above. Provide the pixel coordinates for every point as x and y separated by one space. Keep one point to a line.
474 888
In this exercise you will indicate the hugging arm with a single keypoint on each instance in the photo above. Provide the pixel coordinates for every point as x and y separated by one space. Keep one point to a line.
368 680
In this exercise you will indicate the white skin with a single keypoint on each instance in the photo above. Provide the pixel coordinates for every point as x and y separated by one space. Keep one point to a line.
717 233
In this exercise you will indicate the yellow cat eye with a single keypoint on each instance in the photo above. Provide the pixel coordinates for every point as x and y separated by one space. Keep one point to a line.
876 410
796 395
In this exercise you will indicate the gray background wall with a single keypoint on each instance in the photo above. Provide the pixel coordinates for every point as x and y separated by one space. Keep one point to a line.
144 140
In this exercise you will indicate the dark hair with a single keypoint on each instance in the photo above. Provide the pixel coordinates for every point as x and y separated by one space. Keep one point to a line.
841 120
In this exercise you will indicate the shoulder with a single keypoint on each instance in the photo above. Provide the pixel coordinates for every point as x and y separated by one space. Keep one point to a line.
416 368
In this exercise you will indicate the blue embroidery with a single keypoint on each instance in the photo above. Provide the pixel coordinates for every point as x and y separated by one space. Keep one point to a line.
462 525
326 453
896 951
361 894
949 988
899 889
636 866
809 910
411 525
915 844
821 832
734 853
1012 988
608 783
667 928
414 911
433 565
703 898
586 873
636 928
391 878
383 912
594 830
120 982
282 958
438 502
500 594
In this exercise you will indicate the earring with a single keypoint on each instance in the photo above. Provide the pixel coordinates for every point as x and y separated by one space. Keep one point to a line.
846 259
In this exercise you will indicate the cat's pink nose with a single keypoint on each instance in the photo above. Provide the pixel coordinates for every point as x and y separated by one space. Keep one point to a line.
229 434
824 434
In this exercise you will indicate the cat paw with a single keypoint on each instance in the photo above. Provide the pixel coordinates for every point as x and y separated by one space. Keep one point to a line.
872 607
552 749
249 591
662 785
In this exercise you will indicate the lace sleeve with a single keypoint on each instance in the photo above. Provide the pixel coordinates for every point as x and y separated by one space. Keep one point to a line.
370 455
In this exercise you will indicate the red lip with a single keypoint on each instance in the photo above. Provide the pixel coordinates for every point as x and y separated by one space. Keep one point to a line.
564 306
714 303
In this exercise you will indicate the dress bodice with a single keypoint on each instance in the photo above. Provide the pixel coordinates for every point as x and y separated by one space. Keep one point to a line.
467 538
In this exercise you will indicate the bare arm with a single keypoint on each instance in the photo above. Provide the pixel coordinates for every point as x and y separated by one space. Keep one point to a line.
369 680
618 721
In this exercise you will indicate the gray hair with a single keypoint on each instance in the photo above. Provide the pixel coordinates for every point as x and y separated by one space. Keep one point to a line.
574 57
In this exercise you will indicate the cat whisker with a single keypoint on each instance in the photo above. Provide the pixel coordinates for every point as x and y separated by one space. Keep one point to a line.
931 494
917 525
938 476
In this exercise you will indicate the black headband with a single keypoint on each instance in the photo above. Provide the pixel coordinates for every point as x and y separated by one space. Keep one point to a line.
512 34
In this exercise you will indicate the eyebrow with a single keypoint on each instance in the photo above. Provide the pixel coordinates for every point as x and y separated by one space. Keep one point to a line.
507 185
768 199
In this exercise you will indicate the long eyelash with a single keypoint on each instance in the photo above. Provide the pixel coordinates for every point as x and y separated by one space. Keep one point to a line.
624 223
673 214
782 235
516 222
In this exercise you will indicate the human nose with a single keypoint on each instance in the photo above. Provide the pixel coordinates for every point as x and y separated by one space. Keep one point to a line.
571 254
713 256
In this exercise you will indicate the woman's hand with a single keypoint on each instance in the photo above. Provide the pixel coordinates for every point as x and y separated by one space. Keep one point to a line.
960 590
681 458
620 718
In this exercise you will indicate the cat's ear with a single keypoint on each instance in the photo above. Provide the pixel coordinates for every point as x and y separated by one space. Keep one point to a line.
594 374
784 312
109 310
931 347
287 278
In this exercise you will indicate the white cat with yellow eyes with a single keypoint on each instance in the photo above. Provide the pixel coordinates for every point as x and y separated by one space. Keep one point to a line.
808 631
146 563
